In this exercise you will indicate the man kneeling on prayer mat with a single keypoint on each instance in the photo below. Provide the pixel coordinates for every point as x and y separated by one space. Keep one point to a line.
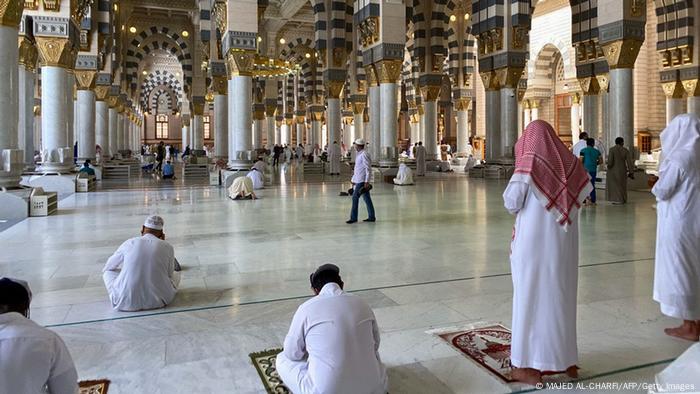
242 189
544 253
256 175
404 176
143 273
32 358
333 342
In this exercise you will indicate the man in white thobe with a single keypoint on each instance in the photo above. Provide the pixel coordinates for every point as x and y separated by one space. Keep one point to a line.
404 176
677 269
544 253
333 342
581 144
143 273
300 153
334 158
420 159
31 357
260 166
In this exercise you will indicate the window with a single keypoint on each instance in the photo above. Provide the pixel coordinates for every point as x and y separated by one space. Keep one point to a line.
644 142
207 127
161 126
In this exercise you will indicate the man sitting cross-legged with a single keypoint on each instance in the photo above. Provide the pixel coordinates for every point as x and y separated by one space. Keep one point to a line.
143 273
333 342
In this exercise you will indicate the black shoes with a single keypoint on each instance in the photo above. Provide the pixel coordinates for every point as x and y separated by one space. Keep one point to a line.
370 220
351 221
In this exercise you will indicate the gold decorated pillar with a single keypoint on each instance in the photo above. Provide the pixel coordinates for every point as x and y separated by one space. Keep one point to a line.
692 88
238 23
675 104
28 56
462 105
57 54
219 86
590 89
430 86
85 114
11 158
102 118
621 33
388 74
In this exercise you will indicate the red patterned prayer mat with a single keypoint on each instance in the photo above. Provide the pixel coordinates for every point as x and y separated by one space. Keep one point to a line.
488 346
94 386
264 363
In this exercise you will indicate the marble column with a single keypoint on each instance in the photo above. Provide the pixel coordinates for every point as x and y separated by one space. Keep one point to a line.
300 131
415 130
694 105
57 154
357 121
621 107
111 150
527 114
240 88
86 125
316 126
102 122
493 124
11 158
590 115
462 107
26 112
429 129
257 132
575 117
198 131
185 137
270 131
221 126
284 133
333 119
509 122
374 139
120 130
72 135
388 75
674 107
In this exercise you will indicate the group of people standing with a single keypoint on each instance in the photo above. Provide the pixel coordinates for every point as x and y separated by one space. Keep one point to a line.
619 167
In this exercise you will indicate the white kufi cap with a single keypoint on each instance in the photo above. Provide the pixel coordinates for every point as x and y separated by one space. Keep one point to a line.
360 141
154 222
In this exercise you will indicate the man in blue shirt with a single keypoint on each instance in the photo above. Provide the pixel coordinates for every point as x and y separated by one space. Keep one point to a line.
168 171
590 157
86 168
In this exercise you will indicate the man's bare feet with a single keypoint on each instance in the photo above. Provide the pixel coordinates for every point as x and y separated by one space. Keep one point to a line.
689 330
526 375
572 372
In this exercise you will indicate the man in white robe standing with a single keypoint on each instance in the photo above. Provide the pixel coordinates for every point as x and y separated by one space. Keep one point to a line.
334 158
143 273
544 253
420 159
32 358
677 270
333 342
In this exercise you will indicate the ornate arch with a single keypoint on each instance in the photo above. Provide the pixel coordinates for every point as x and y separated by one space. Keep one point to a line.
160 79
158 37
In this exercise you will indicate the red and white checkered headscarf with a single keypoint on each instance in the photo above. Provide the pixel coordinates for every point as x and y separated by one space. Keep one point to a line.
560 182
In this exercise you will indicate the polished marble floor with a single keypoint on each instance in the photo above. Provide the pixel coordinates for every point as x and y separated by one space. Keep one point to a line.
437 257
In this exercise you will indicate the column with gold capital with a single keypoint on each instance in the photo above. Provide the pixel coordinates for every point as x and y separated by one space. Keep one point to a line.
102 116
430 85
57 52
388 74
113 126
11 158
462 107
85 79
372 134
219 85
198 122
27 79
239 25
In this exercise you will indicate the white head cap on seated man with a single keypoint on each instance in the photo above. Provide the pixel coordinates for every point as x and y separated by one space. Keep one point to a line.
153 225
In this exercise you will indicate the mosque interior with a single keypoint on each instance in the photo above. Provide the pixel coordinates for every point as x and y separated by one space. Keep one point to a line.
226 80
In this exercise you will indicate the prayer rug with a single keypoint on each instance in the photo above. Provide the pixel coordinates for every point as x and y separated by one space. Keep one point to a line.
94 386
488 346
264 363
